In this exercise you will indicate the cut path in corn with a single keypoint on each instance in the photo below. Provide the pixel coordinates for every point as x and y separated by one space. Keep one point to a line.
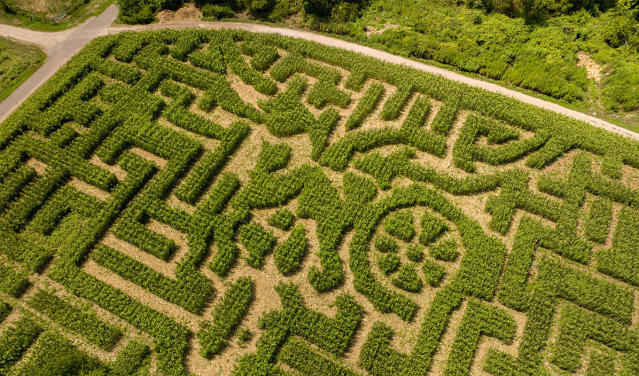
63 48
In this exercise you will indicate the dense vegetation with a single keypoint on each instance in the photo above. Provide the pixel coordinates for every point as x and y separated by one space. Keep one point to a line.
17 62
49 15
216 202
537 45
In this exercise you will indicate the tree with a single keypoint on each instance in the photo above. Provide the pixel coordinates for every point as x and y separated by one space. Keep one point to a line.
320 8
629 4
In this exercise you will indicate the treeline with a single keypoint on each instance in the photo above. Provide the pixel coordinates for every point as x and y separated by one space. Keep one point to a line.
143 11
539 9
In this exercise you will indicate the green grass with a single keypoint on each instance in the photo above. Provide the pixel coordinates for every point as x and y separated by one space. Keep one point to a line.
28 17
18 62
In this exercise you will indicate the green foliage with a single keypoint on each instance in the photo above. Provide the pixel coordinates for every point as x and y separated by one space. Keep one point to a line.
282 219
597 226
407 279
127 172
432 229
400 225
11 282
385 244
54 355
291 252
134 12
217 11
445 250
244 335
365 106
227 315
414 253
433 272
479 319
388 263
620 261
15 340
17 62
73 318
258 242
621 87
247 73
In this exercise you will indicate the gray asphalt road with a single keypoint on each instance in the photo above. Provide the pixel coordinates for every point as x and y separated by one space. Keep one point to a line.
58 55
80 36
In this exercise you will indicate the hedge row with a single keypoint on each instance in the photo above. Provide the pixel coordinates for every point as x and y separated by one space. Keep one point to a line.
227 315
365 106
282 219
15 340
11 282
73 318
290 254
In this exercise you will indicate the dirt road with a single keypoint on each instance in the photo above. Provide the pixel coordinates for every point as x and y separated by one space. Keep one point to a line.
63 50
59 46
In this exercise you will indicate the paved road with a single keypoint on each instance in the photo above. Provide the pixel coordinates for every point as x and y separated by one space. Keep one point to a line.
58 54
80 36
43 39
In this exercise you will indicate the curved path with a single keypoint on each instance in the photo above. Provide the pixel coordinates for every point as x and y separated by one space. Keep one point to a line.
81 35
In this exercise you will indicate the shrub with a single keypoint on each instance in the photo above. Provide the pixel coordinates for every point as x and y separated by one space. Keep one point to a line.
385 244
400 225
445 250
433 272
432 228
388 263
282 219
408 279
227 315
258 242
217 11
70 317
414 253
291 252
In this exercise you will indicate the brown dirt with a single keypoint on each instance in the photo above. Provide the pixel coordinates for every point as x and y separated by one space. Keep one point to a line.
37 165
266 298
89 189
145 297
487 343
158 161
188 13
370 30
593 70
246 92
116 170
166 16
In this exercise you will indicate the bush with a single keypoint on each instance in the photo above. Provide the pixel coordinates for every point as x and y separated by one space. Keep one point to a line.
217 11
291 252
388 263
400 225
407 279
227 315
414 253
282 219
385 244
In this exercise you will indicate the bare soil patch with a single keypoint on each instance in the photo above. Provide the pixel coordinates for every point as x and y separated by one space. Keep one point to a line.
593 70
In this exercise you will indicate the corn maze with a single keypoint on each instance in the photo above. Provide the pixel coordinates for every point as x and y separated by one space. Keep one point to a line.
227 203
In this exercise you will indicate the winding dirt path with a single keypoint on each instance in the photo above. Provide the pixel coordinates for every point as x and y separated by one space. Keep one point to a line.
63 50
